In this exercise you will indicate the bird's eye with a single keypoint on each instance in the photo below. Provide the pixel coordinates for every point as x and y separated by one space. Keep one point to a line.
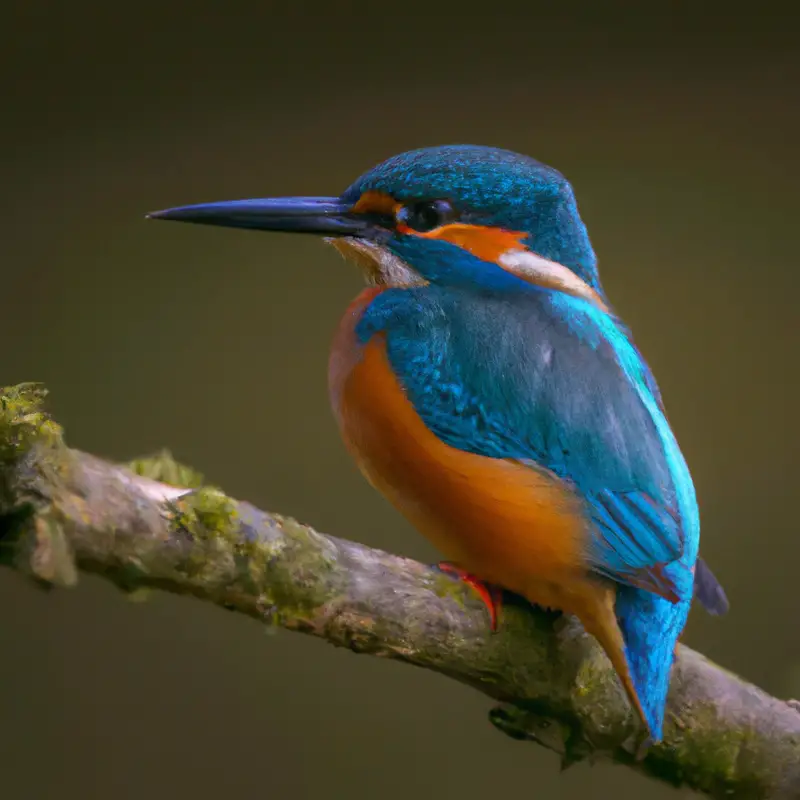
426 215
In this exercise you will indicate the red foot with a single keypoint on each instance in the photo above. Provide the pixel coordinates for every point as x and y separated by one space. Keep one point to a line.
492 596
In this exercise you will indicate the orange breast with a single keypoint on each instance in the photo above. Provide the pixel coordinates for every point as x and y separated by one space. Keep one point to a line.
507 523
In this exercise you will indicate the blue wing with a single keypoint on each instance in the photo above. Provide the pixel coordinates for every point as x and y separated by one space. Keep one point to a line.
544 379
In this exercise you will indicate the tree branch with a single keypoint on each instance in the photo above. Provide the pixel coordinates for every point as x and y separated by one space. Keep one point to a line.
63 511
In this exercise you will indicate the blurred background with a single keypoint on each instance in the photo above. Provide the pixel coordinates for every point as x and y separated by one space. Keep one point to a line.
679 133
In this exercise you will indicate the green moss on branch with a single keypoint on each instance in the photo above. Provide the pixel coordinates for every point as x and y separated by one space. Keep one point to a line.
163 467
24 423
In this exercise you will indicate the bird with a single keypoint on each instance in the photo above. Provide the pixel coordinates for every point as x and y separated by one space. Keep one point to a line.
484 384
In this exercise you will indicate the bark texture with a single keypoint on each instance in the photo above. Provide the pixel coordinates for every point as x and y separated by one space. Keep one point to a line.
153 525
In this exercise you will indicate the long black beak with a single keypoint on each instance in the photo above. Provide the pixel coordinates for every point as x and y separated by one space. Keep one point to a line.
328 216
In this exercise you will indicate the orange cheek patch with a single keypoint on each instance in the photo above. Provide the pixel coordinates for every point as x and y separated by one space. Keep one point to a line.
485 243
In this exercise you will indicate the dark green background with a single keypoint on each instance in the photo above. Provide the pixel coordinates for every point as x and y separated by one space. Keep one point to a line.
680 136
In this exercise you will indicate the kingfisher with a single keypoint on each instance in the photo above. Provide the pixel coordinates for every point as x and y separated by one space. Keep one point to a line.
484 384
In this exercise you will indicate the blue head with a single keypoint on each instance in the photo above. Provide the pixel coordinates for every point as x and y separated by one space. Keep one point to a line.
441 214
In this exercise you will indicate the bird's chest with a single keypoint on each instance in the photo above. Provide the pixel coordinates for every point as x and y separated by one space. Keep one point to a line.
374 416
502 520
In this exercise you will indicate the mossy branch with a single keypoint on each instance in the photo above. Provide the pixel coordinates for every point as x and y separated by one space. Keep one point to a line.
63 511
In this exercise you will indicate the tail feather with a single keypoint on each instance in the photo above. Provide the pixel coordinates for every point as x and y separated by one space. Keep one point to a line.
599 619
708 590
650 627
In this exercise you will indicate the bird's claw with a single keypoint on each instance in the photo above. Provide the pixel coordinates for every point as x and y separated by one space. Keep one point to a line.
490 595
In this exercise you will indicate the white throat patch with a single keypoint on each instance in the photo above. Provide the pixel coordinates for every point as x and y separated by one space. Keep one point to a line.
381 267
